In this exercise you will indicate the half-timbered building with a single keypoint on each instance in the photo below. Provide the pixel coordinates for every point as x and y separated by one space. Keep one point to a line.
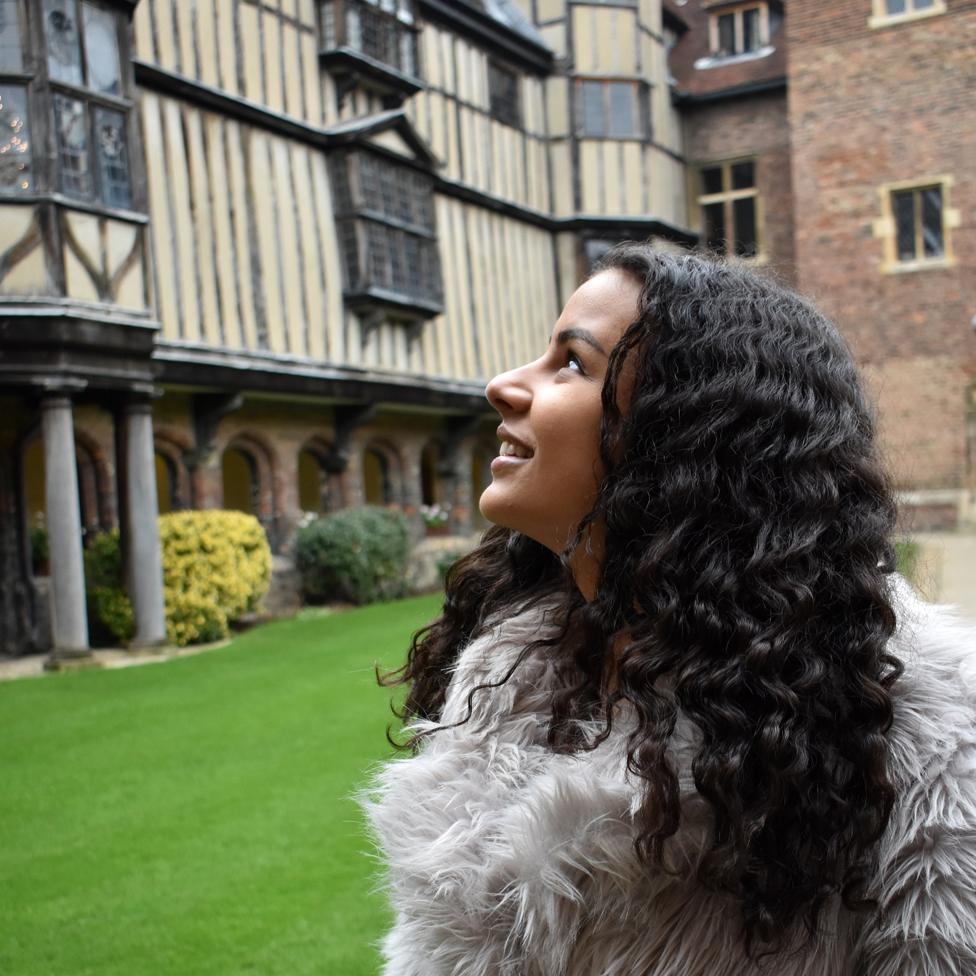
264 254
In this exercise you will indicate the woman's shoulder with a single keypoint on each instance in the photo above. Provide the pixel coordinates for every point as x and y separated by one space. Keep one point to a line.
935 697
925 882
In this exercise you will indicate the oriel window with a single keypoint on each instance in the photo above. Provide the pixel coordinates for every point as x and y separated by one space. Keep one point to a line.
16 171
84 64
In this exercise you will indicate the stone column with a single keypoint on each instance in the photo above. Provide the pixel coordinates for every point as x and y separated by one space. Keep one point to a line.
69 616
144 554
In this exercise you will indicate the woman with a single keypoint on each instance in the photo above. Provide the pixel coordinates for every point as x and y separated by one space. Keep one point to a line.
678 717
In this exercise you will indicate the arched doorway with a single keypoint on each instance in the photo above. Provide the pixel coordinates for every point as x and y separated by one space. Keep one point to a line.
431 488
377 483
241 486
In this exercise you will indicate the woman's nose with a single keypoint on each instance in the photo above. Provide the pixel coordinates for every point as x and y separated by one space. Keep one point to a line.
508 392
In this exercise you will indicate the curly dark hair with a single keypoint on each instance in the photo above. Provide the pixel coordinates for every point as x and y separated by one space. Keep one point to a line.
748 526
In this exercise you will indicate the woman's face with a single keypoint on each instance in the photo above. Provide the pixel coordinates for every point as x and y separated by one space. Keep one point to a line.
551 411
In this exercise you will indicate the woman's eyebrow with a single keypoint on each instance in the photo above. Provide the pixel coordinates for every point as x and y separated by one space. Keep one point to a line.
567 335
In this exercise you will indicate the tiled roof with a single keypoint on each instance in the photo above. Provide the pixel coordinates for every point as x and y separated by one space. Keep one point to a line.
696 75
506 12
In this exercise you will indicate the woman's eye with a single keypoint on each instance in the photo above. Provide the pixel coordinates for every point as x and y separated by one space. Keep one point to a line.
574 363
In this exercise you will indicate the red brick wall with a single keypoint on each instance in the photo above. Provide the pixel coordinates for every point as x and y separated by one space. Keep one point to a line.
755 126
868 107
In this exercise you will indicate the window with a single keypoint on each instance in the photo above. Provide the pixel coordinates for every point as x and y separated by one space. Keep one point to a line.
385 219
915 225
743 30
84 65
610 109
887 11
382 30
730 208
503 94
16 172
919 234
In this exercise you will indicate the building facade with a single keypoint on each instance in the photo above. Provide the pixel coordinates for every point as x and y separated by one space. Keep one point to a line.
264 254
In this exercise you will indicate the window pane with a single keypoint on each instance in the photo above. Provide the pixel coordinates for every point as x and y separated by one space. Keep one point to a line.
63 43
15 147
932 222
592 100
743 176
744 218
102 49
71 125
713 227
726 34
903 207
712 180
113 162
10 53
623 109
896 6
922 4
750 29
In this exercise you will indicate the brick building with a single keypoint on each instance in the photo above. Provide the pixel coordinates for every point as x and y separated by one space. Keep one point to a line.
264 254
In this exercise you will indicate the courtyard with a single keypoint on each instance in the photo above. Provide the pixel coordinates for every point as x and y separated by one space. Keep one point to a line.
196 816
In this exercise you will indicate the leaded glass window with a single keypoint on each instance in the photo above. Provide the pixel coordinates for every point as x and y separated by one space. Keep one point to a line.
90 114
610 109
382 30
919 223
11 54
503 93
385 221
71 126
63 41
102 49
113 164
15 145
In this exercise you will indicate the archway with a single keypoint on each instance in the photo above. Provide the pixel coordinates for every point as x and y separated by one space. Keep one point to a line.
239 475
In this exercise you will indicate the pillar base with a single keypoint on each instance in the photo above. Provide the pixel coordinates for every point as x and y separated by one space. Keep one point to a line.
71 661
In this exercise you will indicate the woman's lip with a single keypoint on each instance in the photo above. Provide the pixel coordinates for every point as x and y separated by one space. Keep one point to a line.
506 460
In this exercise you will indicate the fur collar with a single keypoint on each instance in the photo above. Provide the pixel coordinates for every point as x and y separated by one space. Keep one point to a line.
506 860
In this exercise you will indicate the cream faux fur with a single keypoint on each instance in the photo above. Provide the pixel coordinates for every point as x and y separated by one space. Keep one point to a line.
507 860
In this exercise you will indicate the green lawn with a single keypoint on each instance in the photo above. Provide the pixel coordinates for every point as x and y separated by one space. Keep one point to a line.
193 817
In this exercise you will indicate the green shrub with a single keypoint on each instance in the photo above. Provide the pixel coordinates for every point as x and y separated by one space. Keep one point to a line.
358 555
907 555
108 605
216 568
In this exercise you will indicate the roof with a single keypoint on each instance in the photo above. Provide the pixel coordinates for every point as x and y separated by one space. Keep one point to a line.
506 12
697 76
499 24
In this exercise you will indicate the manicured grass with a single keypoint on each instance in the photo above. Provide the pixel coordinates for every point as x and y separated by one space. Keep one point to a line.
194 817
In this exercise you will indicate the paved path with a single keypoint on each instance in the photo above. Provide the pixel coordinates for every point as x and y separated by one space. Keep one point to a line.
947 574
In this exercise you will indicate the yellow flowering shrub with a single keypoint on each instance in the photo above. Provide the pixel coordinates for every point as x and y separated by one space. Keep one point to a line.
216 568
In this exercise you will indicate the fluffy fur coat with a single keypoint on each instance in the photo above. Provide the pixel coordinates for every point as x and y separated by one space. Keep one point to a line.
507 860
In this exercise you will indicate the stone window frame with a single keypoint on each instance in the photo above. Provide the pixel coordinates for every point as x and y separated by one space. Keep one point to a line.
738 11
881 18
884 228
727 196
